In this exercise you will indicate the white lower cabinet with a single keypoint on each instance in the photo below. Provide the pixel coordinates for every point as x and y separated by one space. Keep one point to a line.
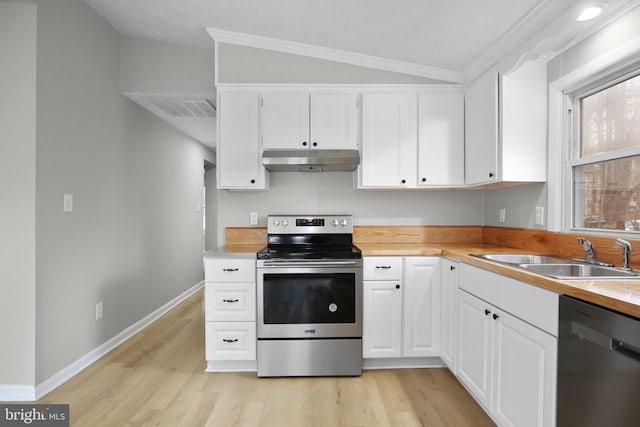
382 319
507 364
400 307
230 312
421 310
230 341
448 312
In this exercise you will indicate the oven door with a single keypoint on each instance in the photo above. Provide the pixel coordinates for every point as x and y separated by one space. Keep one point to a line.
309 299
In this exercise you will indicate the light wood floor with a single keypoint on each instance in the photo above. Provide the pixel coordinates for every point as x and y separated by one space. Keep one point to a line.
157 378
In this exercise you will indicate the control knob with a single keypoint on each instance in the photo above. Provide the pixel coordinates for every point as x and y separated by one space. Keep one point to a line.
285 223
334 222
276 222
344 223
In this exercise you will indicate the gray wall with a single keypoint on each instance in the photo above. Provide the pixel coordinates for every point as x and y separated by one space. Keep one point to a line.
152 66
240 64
17 192
211 236
520 203
134 240
332 192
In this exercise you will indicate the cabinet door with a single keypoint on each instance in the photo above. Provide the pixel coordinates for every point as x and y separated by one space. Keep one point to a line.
239 163
440 139
334 121
448 309
474 346
285 120
421 310
382 319
524 373
481 130
389 140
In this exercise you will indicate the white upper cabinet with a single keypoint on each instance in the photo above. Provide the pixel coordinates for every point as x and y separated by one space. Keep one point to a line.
389 140
302 121
412 140
506 126
334 121
481 130
285 120
440 139
239 164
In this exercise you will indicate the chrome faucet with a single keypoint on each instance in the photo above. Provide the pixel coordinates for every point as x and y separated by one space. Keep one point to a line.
626 250
589 249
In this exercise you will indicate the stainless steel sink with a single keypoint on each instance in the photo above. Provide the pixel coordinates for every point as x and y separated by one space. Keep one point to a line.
559 268
579 271
518 259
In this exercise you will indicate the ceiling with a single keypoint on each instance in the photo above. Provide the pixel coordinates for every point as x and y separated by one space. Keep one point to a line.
445 34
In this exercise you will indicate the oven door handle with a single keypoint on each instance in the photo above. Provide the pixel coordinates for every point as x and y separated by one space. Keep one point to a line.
307 263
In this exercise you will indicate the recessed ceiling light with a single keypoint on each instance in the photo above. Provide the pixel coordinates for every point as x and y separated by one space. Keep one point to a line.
589 13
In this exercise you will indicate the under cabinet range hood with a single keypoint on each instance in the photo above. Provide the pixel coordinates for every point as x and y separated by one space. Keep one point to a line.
310 160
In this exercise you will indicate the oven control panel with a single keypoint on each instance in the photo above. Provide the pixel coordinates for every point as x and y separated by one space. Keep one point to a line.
310 224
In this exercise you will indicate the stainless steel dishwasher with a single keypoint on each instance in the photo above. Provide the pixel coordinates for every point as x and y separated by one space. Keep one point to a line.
598 366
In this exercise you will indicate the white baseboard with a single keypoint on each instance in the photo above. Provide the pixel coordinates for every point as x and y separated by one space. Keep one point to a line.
83 362
17 393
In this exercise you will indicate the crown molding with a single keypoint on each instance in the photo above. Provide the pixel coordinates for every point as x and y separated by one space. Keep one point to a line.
260 42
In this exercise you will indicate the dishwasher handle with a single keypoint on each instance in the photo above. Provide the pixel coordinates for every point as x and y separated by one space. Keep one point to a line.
604 341
625 349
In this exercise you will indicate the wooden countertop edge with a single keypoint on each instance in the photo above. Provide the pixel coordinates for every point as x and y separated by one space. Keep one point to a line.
574 288
593 291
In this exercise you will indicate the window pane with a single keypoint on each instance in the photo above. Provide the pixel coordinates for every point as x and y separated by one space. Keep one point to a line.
611 118
607 194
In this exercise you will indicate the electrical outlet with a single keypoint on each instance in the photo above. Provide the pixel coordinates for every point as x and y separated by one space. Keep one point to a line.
99 311
503 214
253 218
539 219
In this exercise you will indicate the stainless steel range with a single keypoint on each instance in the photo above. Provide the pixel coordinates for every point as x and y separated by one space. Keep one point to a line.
309 298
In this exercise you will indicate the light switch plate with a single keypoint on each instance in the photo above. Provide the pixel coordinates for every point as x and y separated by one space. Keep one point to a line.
539 219
67 203
503 214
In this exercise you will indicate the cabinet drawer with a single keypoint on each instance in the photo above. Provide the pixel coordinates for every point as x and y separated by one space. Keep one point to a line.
382 268
230 302
230 270
534 305
230 340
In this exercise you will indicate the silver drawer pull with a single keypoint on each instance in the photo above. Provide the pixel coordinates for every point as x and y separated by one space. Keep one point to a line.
230 300
228 340
383 267
230 269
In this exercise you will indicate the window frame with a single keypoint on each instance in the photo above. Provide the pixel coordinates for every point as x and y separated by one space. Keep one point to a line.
573 126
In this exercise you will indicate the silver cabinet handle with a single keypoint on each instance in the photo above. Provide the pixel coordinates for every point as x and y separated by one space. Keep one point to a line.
230 269
230 300
228 340
383 267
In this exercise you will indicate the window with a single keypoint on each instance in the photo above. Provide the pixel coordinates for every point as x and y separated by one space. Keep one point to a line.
605 164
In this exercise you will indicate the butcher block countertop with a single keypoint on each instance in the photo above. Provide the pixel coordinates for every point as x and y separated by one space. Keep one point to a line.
460 242
622 295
